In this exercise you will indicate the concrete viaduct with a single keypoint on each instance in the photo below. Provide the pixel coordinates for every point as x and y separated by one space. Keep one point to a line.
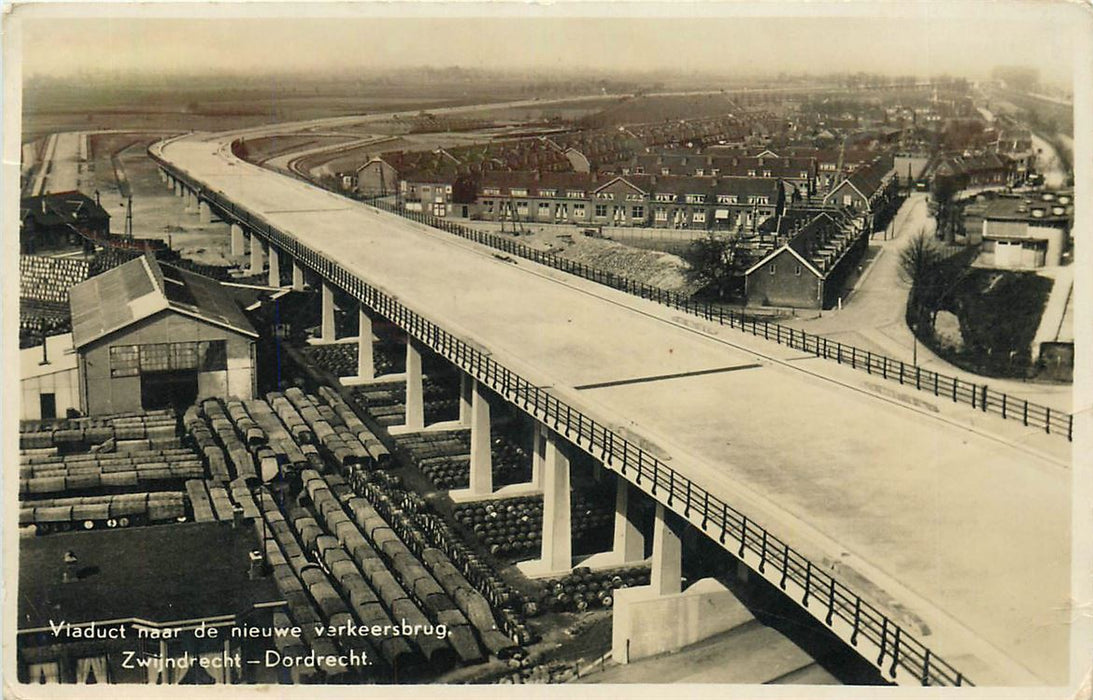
892 522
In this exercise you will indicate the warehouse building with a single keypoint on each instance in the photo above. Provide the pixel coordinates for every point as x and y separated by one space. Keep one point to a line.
150 336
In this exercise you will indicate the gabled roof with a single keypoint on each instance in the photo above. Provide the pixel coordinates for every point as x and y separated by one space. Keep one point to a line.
625 180
778 251
141 288
61 208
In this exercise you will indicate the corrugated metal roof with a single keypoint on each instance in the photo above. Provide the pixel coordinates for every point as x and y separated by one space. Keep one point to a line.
136 290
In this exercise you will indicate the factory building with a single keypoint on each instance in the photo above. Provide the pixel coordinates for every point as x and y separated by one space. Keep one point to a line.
149 336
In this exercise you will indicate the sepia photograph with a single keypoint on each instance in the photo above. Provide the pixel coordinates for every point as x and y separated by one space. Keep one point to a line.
726 345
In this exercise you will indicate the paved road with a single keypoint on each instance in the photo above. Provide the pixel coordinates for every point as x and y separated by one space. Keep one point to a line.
911 501
873 317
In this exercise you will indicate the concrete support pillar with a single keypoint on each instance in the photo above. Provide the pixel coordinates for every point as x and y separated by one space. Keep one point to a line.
297 276
328 332
256 261
415 391
274 279
538 453
204 212
191 201
667 570
629 544
238 243
178 189
557 552
366 368
466 394
481 476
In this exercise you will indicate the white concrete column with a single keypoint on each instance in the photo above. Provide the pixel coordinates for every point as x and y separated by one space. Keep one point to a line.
256 261
297 276
557 553
178 188
328 333
557 550
191 201
274 267
415 391
481 476
667 570
204 212
366 368
238 244
629 544
538 453
466 394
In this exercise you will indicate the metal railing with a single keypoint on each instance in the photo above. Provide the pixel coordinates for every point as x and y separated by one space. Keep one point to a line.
899 654
979 396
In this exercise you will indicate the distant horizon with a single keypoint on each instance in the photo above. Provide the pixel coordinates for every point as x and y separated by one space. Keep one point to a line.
966 39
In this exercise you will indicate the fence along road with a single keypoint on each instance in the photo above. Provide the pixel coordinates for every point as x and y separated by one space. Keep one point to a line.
956 540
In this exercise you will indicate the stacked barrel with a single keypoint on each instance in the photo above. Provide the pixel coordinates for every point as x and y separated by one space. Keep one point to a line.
50 515
108 471
512 528
584 589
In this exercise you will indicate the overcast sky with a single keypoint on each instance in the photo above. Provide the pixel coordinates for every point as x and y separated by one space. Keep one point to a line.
923 38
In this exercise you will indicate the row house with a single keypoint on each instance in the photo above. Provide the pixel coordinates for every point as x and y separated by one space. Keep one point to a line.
868 191
980 170
727 203
809 268
798 172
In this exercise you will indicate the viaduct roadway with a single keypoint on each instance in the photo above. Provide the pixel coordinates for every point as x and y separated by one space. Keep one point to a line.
947 520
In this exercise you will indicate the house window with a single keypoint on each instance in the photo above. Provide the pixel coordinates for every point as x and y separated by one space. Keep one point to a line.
605 195
699 217
847 200
661 214
494 191
699 172
519 192
665 171
548 193
766 173
640 170
544 210
574 194
695 198
772 268
488 203
665 197
522 208
797 271
601 210
634 198
637 213
751 172
578 211
726 199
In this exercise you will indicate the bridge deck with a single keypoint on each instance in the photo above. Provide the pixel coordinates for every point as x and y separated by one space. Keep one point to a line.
959 534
